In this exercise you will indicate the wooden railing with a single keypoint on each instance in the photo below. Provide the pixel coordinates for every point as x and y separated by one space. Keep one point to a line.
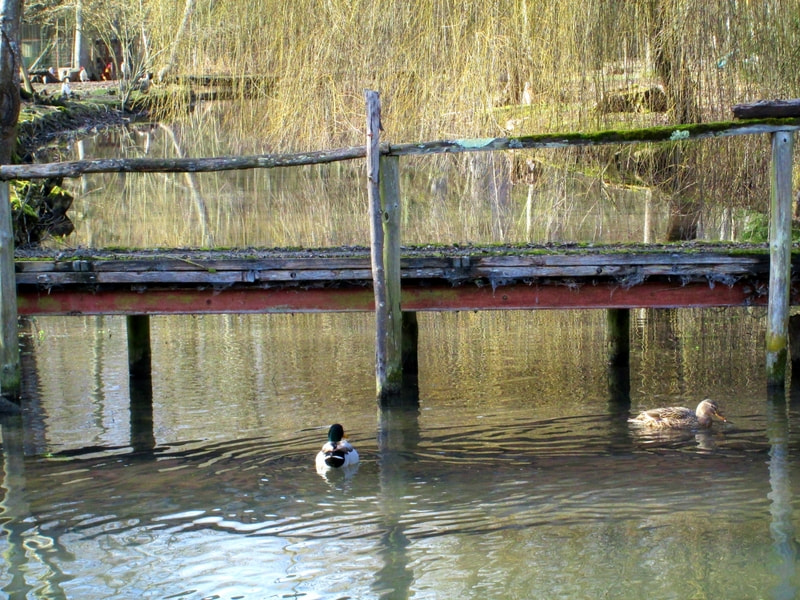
384 196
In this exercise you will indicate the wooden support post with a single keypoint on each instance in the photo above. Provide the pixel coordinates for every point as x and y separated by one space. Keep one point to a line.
619 352
140 383
619 344
139 354
780 247
10 371
390 208
794 348
10 380
143 438
410 345
384 207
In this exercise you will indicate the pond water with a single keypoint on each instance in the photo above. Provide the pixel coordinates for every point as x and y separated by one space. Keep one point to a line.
547 196
512 473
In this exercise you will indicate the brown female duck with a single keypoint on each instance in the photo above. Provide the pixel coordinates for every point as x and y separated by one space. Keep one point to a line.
680 417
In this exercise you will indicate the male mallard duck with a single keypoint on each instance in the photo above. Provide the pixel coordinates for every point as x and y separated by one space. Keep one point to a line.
336 452
679 417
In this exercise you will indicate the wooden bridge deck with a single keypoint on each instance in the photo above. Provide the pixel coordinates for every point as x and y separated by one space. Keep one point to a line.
433 278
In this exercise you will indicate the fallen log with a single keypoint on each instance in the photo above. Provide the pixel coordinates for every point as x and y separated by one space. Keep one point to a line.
766 109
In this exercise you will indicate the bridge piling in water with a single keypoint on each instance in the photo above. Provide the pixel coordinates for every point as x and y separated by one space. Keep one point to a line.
618 324
139 351
780 245
383 180
618 321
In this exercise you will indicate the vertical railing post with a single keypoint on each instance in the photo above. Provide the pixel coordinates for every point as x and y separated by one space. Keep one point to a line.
10 373
780 255
384 209
390 210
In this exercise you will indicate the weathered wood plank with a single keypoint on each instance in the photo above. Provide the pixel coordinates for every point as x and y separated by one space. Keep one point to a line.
167 264
606 272
668 133
780 243
189 277
77 168
757 258
457 269
332 264
455 275
764 109
560 260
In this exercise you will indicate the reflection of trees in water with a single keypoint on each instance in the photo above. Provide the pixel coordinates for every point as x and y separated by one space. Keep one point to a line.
557 357
469 492
695 353
194 190
28 548
631 194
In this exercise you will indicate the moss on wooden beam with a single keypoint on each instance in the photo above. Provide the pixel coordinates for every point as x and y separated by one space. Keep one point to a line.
669 133
661 133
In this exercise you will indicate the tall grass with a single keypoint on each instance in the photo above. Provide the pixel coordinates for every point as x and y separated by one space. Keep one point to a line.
457 69
444 67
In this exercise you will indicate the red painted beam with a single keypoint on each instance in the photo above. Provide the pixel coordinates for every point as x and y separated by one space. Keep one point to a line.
436 298
194 301
605 295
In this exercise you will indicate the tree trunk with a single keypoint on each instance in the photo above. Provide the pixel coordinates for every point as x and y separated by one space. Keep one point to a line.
10 384
9 78
676 168
670 62
188 9
80 55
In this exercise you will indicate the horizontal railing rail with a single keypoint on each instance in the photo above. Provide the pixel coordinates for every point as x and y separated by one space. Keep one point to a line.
668 133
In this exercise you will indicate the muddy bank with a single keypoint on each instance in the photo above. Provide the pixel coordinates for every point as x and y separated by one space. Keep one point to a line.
47 123
50 119
53 126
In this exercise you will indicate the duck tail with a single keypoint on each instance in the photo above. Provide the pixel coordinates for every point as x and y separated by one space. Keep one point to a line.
334 459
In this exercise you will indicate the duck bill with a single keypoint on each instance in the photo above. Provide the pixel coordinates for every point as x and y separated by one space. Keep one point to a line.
721 417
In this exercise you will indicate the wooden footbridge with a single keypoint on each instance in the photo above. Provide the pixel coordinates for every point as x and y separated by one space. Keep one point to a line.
445 279
394 281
